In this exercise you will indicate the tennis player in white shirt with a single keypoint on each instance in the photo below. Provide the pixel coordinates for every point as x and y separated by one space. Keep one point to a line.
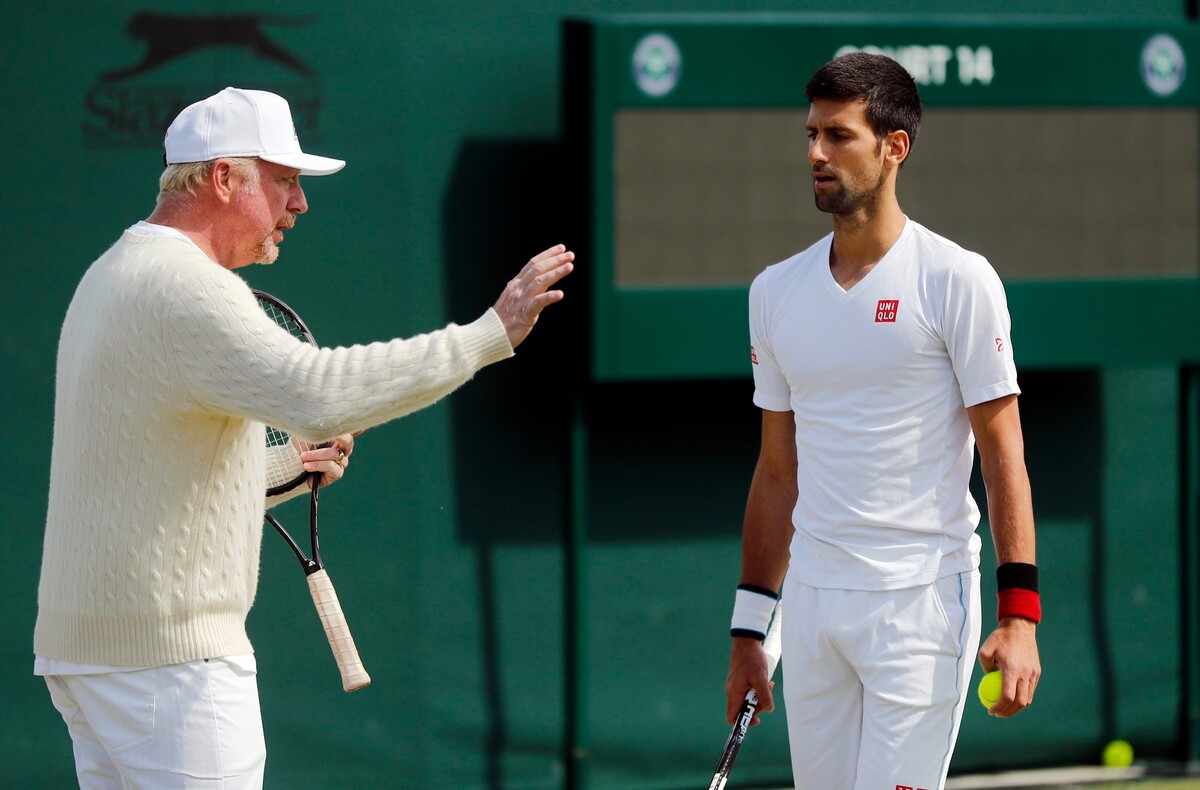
881 359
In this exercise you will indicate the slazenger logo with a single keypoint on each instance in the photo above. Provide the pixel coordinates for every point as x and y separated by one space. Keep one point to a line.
936 63
126 108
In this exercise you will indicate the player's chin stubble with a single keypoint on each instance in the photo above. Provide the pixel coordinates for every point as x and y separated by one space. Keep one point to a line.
845 201
268 251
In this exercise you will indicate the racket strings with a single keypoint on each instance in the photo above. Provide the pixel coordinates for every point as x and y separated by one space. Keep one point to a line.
285 320
283 458
285 470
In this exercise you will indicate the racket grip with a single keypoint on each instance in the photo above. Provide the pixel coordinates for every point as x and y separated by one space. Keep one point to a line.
333 620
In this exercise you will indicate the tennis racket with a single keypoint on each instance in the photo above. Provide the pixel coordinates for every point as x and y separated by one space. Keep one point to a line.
771 647
285 471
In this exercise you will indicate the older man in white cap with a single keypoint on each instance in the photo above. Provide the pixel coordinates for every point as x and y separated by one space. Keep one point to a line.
150 560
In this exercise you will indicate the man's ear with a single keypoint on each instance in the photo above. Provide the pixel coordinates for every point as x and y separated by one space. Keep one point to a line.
223 179
896 147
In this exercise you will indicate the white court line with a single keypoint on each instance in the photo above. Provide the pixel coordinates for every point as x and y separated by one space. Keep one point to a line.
1050 777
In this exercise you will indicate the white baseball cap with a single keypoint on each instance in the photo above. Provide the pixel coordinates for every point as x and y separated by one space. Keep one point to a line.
238 122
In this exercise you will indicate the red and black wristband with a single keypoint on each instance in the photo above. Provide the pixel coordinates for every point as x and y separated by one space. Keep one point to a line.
1017 592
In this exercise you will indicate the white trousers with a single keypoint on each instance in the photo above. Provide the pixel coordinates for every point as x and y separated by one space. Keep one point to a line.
194 725
875 682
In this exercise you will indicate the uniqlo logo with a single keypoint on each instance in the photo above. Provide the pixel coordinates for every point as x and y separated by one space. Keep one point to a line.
885 313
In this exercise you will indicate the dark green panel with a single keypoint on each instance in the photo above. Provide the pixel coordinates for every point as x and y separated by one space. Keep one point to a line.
1190 554
730 61
680 334
1143 596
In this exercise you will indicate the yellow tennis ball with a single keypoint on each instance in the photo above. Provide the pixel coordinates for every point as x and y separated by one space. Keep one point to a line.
989 688
1118 754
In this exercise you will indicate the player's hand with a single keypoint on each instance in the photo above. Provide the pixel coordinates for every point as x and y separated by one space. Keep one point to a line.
330 462
747 670
1012 649
527 294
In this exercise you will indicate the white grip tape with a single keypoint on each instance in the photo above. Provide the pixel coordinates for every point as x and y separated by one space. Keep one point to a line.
772 645
354 676
752 612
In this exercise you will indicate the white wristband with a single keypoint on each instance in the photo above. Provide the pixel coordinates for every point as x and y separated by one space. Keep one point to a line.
752 610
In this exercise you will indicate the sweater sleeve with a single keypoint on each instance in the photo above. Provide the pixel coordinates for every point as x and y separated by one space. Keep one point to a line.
235 360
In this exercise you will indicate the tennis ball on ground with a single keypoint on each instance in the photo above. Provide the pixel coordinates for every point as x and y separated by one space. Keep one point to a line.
989 688
1118 754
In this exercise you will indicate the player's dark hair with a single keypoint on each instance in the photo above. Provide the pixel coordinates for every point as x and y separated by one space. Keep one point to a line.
890 92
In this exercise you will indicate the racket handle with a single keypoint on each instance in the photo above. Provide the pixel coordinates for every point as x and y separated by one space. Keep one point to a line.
333 620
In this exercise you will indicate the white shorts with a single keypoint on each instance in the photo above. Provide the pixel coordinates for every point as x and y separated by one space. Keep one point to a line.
875 682
193 725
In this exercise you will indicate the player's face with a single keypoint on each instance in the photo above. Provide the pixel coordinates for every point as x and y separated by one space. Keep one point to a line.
269 208
847 158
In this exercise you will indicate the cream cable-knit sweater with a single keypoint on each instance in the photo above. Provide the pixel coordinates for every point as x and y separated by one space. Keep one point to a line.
167 371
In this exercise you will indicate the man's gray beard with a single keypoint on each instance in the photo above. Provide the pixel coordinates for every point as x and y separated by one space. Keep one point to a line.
268 251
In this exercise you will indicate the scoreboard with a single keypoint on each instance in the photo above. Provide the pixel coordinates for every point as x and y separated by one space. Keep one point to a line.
1066 153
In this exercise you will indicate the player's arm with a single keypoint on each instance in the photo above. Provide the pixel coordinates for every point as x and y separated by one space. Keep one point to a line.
1012 647
766 533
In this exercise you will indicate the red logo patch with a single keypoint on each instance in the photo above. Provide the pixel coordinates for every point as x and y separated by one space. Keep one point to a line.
753 356
999 344
885 313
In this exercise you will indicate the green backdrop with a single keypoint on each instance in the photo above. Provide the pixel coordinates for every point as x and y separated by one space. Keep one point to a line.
449 538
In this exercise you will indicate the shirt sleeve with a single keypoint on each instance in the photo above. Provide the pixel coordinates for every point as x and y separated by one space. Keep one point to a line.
237 361
977 332
771 389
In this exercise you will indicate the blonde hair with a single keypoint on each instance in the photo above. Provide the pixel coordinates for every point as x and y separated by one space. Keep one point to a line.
185 178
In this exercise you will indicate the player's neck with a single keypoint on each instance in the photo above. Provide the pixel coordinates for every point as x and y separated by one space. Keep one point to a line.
861 239
196 225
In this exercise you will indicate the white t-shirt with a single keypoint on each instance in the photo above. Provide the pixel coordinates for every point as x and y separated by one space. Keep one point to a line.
879 378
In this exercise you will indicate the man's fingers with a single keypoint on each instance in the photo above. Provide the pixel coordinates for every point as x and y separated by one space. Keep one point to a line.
766 702
1016 695
541 301
527 294
330 462
736 699
547 279
547 253
547 272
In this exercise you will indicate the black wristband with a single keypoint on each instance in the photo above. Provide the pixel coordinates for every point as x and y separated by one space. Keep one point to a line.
1017 576
760 590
